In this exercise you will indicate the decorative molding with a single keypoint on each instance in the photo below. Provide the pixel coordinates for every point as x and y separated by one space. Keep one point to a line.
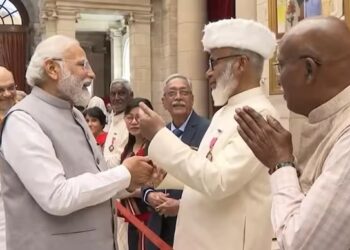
139 17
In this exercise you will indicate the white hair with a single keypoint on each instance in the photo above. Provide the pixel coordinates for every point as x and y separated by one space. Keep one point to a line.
125 83
52 47
177 76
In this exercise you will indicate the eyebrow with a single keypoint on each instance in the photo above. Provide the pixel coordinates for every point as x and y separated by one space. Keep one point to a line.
181 88
8 85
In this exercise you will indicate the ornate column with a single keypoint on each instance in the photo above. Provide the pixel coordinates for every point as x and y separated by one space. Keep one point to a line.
140 53
58 19
116 38
66 19
191 60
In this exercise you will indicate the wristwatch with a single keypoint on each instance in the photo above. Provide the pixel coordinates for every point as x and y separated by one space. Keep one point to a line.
281 165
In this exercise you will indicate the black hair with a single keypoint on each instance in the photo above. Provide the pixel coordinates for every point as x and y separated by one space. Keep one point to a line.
133 103
97 113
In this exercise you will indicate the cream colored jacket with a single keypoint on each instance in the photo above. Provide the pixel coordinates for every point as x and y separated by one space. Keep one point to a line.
226 202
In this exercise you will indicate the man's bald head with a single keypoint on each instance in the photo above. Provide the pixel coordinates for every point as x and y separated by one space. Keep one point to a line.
7 90
326 38
313 59
5 75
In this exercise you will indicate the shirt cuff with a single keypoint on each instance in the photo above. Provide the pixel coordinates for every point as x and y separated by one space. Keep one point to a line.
148 191
122 174
284 178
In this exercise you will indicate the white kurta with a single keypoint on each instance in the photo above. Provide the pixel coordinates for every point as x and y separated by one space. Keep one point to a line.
116 140
226 202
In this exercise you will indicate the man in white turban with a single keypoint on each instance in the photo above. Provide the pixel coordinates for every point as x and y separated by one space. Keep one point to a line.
226 200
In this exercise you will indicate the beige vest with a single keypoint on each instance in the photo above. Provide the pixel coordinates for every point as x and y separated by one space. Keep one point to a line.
326 124
28 226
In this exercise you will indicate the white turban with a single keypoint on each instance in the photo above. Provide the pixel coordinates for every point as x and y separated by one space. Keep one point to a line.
240 34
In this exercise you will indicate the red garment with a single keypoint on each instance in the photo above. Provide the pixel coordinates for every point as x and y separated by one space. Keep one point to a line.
101 138
133 204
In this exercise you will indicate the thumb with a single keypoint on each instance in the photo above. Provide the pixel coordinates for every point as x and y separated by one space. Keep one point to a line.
144 109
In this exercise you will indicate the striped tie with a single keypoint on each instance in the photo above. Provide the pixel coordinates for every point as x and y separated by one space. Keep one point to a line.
177 132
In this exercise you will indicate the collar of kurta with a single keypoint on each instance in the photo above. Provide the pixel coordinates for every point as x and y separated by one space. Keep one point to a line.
48 98
331 107
243 96
117 118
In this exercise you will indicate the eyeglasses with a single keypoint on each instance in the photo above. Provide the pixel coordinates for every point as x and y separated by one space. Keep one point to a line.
279 65
11 89
83 63
182 92
212 62
131 118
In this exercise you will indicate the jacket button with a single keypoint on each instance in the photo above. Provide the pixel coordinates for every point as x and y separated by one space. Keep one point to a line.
98 161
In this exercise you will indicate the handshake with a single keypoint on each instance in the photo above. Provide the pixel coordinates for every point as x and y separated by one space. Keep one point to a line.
143 172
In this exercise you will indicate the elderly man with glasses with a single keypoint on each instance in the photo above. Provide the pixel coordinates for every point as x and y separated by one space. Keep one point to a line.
190 128
55 184
226 200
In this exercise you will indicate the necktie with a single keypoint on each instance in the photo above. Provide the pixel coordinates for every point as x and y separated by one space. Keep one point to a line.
177 132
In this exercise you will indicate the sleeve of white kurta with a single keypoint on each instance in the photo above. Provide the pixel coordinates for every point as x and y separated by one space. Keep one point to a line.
232 167
33 158
321 219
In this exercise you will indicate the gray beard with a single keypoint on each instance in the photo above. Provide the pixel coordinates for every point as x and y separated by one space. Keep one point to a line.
71 88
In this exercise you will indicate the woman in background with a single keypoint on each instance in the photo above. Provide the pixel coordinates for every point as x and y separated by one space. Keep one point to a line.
136 145
96 120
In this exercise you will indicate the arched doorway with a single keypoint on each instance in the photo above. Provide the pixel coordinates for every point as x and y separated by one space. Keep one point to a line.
14 22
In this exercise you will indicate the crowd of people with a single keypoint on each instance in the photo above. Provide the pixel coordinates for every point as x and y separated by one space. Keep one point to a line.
230 183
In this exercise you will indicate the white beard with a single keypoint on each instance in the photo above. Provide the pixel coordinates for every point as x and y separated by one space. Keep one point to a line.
226 84
73 89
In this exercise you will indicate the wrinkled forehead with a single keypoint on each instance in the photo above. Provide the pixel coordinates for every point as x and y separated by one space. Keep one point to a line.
177 83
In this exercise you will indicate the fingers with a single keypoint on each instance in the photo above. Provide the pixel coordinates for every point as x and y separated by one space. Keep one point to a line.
276 125
258 118
243 127
250 121
244 136
144 109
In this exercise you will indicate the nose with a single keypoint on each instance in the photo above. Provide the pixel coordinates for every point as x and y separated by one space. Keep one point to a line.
178 95
209 73
91 74
7 93
134 120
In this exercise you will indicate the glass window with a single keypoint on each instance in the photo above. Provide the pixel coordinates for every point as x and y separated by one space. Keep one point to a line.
9 14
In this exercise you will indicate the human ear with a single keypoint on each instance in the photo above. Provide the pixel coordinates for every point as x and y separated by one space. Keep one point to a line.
51 68
311 69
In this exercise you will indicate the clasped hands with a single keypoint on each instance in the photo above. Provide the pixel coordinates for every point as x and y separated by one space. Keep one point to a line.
267 138
143 172
163 204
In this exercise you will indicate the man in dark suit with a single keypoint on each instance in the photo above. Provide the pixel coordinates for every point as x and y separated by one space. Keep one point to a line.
190 128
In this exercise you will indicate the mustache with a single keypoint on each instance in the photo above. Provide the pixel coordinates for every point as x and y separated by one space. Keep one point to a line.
178 104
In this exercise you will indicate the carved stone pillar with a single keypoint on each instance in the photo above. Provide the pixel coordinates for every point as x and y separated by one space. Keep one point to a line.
191 60
140 53
58 19
116 38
